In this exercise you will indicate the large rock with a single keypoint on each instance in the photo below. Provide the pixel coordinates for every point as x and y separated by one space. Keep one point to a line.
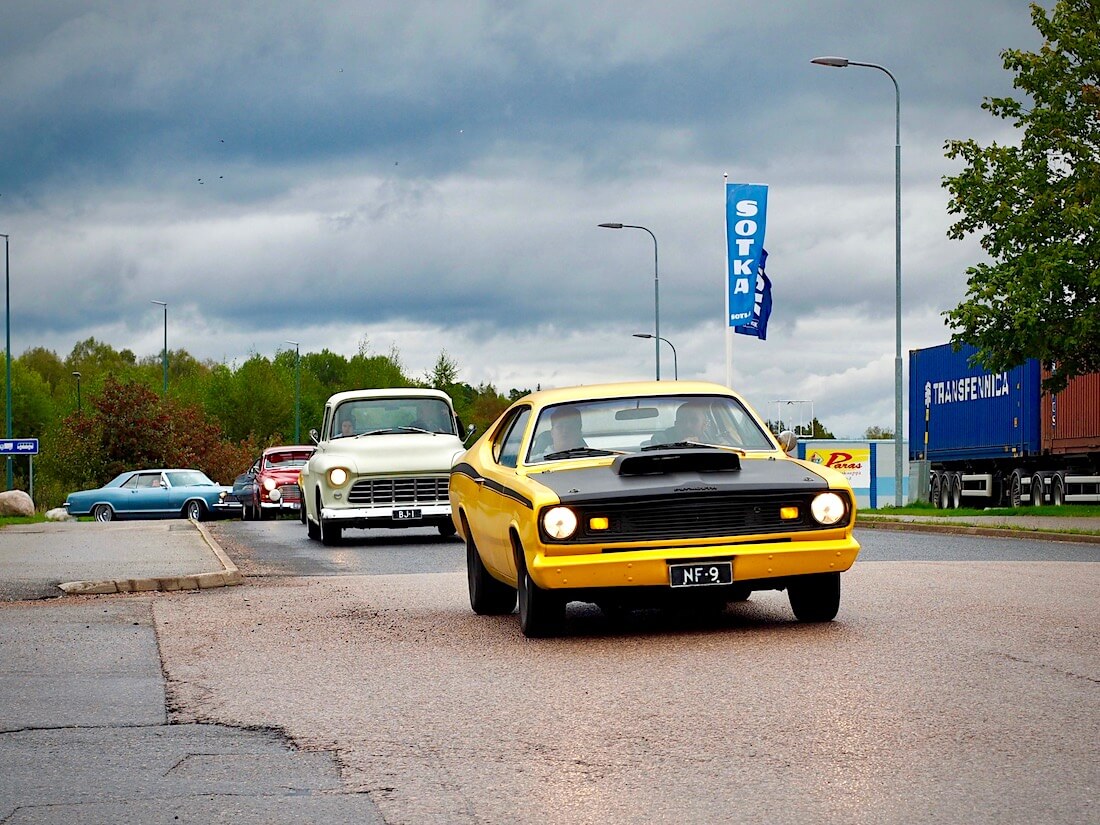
59 514
16 503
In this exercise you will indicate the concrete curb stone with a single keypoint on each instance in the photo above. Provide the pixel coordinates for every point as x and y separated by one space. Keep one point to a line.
227 577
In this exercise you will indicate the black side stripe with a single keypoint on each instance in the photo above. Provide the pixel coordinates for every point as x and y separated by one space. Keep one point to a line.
468 470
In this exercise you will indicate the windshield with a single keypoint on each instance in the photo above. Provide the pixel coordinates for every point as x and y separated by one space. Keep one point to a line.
277 461
373 416
629 425
189 478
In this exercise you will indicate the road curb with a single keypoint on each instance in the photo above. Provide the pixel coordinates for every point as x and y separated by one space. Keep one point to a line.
968 530
227 577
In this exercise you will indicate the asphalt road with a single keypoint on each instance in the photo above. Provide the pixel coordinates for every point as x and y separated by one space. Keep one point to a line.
957 684
281 548
353 683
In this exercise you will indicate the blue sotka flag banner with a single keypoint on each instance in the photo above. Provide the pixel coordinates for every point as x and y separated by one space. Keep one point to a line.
746 218
762 306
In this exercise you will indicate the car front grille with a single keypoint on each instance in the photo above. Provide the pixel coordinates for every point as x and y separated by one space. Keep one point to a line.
290 493
695 517
399 491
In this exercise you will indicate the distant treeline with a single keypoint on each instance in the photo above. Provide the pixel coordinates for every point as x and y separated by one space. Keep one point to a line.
216 416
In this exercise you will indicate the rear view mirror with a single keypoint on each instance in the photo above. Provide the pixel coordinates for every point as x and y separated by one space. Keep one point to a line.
635 413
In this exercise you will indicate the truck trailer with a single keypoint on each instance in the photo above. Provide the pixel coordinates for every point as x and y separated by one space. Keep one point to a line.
995 439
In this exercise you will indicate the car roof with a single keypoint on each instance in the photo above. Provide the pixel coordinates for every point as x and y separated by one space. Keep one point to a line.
391 392
290 448
585 392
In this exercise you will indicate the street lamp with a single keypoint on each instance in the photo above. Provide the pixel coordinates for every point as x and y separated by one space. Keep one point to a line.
656 291
7 352
841 63
297 393
675 367
163 304
76 375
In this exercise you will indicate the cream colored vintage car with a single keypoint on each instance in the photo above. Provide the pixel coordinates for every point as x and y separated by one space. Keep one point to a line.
383 459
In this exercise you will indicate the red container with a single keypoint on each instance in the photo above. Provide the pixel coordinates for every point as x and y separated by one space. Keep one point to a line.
1071 419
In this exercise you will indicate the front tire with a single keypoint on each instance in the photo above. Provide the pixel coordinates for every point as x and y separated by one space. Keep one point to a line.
103 512
816 597
488 597
541 612
194 510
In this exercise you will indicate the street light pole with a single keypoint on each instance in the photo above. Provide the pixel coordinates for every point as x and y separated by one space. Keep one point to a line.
840 63
76 375
7 354
675 367
165 305
656 291
297 393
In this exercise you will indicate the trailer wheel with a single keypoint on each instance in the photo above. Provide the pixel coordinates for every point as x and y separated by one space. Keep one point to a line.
1036 491
1057 491
956 491
934 494
1015 491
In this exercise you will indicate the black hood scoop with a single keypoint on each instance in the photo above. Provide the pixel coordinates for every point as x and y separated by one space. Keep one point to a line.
662 462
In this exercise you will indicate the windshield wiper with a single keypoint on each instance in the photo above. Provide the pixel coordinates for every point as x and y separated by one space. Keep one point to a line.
676 445
679 445
576 452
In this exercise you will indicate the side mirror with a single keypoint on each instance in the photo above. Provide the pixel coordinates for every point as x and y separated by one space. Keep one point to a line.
788 441
469 433
314 437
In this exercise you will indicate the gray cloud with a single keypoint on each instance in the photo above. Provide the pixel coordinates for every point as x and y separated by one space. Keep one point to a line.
431 175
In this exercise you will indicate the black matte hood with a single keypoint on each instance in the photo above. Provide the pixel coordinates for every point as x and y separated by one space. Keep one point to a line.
605 483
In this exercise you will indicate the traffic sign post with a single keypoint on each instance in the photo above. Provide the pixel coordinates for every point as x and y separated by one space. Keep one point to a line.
19 446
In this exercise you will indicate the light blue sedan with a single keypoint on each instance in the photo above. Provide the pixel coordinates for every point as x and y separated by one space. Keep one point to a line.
155 494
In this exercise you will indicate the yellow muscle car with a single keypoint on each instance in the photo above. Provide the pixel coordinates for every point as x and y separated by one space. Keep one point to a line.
634 493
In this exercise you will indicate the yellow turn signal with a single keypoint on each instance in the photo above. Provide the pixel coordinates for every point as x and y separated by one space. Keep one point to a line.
788 512
598 523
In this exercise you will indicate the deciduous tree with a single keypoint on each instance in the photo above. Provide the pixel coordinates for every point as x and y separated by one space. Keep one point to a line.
1036 206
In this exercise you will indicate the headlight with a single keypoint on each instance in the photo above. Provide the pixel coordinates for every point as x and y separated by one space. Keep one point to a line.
828 508
559 522
337 476
269 484
274 495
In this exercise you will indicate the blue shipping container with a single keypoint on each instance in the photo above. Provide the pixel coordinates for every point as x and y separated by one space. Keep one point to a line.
957 411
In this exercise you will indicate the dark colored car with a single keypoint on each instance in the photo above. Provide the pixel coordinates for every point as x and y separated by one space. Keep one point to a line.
270 486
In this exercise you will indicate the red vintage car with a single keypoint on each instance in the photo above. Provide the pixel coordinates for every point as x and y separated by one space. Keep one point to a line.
270 486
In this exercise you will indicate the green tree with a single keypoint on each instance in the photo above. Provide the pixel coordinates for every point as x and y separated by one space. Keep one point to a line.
876 432
1036 207
444 373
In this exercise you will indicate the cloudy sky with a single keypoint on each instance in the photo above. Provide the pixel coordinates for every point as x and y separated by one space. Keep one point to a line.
430 176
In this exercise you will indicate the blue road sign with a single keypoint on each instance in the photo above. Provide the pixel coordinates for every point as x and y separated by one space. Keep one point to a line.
19 446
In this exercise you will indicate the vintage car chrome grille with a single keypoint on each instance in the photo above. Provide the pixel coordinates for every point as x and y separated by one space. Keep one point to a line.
695 517
402 490
289 492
